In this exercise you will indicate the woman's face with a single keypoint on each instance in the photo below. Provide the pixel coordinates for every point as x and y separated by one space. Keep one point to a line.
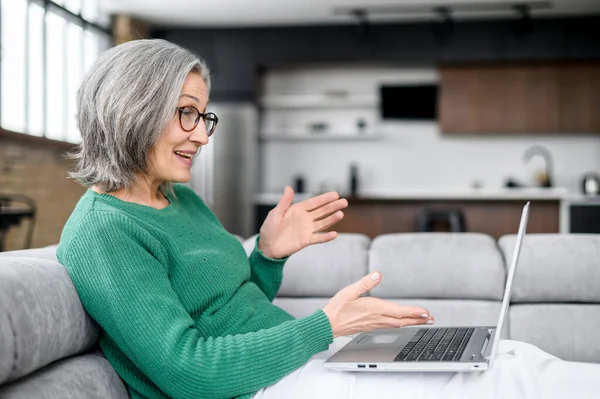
171 158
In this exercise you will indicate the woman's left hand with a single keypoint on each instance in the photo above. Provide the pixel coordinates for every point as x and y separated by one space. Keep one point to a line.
289 228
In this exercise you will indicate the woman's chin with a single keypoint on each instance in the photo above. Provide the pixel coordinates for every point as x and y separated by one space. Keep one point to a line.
181 178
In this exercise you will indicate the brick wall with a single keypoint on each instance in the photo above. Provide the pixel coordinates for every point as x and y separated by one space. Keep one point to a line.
37 168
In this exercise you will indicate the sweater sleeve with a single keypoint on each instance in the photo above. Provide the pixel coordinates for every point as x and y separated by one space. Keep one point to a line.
126 289
267 273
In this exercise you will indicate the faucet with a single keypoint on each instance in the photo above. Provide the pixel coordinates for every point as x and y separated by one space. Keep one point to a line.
546 180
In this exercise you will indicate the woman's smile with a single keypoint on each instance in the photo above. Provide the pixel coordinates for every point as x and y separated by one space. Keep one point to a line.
185 157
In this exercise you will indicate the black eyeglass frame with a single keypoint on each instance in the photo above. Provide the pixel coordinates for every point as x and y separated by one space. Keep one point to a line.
204 117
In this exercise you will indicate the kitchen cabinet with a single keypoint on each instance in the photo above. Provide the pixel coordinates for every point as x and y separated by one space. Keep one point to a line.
492 217
520 98
580 98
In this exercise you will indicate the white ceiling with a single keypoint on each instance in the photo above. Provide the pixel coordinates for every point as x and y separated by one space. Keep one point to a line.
240 13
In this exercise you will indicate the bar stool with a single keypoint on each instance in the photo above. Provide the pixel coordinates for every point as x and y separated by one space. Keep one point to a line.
441 220
14 208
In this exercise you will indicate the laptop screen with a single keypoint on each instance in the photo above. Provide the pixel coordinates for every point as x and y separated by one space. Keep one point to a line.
509 281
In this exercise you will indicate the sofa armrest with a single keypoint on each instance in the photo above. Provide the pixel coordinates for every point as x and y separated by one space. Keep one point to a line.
41 316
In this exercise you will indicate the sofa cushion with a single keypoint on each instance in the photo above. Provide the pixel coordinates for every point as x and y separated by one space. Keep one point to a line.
437 265
41 316
322 270
555 267
84 376
568 331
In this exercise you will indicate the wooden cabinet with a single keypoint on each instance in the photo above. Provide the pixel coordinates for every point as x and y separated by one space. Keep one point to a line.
580 98
493 217
536 98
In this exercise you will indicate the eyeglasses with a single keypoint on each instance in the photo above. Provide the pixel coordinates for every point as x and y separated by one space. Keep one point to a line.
190 116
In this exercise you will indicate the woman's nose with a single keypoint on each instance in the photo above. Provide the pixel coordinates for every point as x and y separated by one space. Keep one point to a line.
199 135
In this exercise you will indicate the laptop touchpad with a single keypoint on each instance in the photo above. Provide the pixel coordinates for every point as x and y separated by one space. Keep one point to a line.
380 339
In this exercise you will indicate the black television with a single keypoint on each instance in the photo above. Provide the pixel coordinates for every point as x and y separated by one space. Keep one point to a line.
409 102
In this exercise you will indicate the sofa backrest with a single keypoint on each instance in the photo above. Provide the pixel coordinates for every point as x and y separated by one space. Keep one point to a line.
438 265
459 278
555 303
416 270
41 316
318 272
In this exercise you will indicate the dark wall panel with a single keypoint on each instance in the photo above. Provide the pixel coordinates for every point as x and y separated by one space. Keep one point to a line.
284 46
545 42
236 55
234 63
581 38
473 42
404 44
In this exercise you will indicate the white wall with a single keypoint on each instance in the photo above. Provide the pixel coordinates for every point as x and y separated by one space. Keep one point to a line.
408 154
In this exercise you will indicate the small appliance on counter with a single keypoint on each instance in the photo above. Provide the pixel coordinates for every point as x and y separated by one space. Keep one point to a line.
354 183
318 127
299 184
590 184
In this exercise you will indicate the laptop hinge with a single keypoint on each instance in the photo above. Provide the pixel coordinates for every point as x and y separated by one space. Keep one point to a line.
486 349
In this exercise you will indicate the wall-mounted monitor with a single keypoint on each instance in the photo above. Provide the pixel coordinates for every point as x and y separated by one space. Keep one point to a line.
409 102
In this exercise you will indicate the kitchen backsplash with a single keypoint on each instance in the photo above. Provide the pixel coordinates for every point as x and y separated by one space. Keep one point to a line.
324 119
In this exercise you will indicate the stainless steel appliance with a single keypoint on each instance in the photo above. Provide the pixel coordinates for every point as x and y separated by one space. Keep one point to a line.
590 184
225 174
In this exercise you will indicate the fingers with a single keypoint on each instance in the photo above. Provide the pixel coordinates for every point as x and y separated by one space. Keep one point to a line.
329 208
395 316
399 311
363 285
285 202
320 200
324 224
319 238
393 322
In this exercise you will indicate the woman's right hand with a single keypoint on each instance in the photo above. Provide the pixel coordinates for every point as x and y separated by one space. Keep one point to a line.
349 313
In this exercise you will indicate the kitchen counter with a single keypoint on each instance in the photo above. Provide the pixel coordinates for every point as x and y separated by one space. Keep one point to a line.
487 209
524 194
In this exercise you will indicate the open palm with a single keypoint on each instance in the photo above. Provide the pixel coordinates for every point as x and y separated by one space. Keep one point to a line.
290 227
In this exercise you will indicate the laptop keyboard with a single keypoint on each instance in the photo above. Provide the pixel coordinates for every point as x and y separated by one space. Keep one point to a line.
436 345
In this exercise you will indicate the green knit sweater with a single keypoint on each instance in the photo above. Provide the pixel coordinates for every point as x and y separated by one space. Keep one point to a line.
184 312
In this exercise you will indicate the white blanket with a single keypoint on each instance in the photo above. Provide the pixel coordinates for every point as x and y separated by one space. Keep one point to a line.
520 371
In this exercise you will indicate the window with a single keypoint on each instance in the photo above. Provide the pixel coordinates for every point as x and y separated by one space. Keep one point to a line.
47 46
14 14
35 77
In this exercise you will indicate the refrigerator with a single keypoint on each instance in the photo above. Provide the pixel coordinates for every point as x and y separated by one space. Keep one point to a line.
225 173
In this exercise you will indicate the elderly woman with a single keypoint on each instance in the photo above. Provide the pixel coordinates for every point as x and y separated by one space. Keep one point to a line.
184 312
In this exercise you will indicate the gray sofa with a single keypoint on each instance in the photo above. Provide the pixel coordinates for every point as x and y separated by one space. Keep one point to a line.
48 343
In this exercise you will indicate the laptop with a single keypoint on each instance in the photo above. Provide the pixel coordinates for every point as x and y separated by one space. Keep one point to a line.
426 349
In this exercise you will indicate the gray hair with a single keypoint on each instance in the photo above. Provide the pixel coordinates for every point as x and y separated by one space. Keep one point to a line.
125 101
